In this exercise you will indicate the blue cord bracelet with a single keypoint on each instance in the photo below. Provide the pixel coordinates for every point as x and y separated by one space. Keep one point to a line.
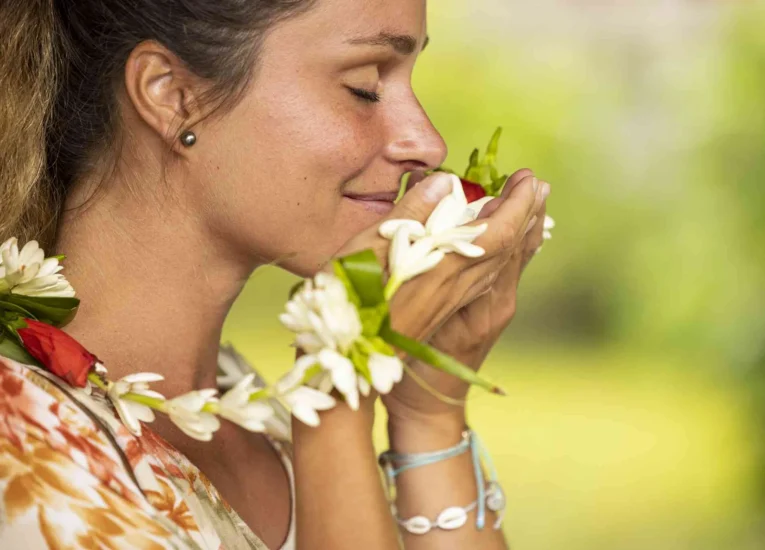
396 463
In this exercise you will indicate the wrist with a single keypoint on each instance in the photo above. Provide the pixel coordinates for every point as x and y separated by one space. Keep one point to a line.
340 419
419 433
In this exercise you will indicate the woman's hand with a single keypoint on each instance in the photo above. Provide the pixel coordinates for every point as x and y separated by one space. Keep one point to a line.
457 303
469 334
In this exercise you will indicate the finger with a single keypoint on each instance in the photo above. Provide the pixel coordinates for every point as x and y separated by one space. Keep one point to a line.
534 238
415 177
511 183
418 203
507 225
515 179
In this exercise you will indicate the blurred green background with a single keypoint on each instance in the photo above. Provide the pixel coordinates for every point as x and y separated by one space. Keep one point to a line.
636 363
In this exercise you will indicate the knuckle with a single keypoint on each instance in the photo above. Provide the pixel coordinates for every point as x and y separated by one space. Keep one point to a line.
508 237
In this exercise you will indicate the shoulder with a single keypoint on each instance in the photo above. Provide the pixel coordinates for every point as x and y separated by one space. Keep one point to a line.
63 481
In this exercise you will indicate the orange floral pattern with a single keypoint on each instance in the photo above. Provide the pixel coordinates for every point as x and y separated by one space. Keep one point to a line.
72 476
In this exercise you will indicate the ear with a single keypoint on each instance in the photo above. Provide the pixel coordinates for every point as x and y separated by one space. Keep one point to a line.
160 90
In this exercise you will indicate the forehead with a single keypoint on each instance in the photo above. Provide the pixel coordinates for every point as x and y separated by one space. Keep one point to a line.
352 21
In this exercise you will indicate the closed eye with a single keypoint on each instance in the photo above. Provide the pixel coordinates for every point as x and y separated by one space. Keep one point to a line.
365 95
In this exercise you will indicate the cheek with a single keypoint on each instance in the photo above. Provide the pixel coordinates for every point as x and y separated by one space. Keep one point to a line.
277 173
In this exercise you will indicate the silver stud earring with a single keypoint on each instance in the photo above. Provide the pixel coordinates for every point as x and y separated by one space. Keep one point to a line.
188 138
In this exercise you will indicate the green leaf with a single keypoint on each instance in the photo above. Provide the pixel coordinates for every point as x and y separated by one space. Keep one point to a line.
372 318
366 276
341 274
361 362
7 306
498 185
56 311
436 359
381 346
471 173
296 288
493 148
483 170
13 351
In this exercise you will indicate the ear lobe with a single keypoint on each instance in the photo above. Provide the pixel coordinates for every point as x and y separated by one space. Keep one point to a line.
159 89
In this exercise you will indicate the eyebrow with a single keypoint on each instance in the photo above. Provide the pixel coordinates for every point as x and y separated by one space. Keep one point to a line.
403 44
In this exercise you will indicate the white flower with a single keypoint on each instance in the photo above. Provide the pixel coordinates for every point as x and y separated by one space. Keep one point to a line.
454 209
28 272
304 402
386 371
445 231
452 212
129 411
337 371
364 387
548 227
322 316
407 260
186 412
235 405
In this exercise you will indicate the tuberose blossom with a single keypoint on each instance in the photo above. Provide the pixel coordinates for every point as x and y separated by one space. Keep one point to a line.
186 412
235 405
322 316
446 224
304 402
335 367
407 260
386 370
29 273
129 411
418 248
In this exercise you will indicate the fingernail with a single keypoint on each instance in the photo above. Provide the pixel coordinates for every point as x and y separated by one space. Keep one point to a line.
437 187
545 190
531 225
535 184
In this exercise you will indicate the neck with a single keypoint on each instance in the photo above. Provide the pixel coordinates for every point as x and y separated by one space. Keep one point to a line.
155 284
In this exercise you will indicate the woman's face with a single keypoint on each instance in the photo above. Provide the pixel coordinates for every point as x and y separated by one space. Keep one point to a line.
315 151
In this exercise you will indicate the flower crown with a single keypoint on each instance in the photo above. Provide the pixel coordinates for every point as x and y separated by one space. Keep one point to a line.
341 321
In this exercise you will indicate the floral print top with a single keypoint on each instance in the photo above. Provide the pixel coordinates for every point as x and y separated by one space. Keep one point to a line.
72 476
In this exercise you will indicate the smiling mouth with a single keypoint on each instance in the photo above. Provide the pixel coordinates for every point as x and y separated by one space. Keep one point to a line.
375 202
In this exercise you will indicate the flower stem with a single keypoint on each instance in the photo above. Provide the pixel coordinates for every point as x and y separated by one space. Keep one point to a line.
151 402
212 408
433 391
97 381
265 393
394 283
437 359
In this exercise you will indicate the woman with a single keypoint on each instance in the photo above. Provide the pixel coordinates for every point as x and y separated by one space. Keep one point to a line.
169 148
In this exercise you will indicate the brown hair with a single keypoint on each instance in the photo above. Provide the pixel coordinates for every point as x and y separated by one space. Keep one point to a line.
61 63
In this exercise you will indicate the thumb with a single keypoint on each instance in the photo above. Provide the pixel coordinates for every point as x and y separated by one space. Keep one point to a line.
419 202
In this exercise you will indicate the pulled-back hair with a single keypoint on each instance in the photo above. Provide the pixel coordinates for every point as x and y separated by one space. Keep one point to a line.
61 65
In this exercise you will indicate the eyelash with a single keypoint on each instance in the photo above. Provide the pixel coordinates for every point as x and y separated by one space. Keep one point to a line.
365 95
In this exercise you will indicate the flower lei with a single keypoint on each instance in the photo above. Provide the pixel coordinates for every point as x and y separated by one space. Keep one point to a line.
341 321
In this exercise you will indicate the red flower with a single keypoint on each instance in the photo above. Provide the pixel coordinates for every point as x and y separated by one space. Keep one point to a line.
58 352
473 191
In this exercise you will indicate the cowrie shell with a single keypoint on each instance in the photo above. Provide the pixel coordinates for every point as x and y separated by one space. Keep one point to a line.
452 518
495 500
418 525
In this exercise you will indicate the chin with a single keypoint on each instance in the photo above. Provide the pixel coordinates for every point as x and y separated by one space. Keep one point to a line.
352 220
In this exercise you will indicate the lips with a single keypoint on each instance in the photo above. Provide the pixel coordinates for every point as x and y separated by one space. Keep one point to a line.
380 203
374 197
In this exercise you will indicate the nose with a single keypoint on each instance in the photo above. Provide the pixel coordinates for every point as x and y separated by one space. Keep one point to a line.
415 142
